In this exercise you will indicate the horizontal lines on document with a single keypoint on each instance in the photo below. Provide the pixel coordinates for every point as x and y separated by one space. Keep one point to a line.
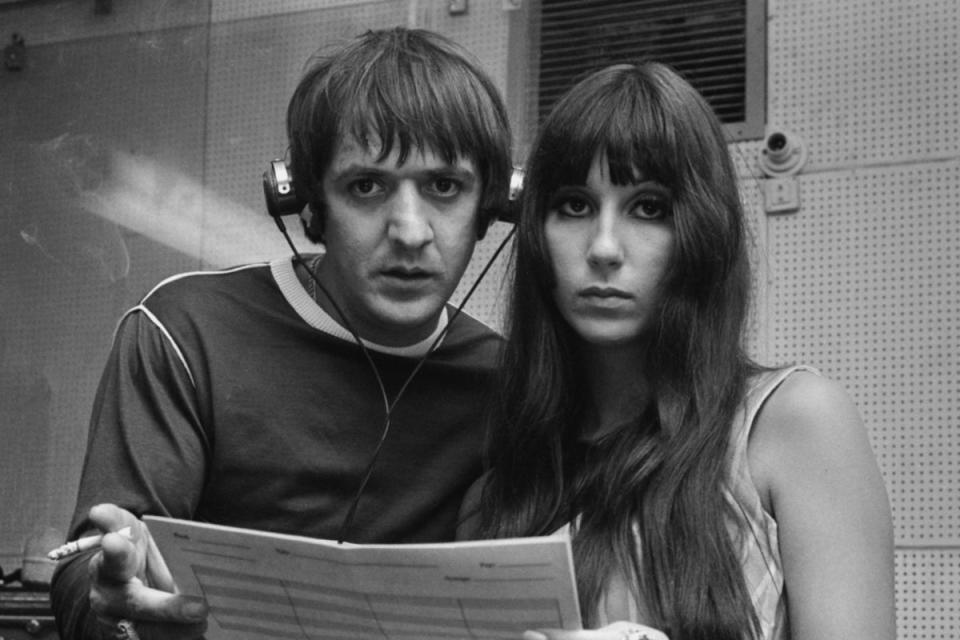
248 605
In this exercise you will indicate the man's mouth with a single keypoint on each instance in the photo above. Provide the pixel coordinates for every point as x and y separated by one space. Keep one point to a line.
407 274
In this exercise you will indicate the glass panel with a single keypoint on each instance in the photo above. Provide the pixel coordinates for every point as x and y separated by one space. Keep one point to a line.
133 144
98 102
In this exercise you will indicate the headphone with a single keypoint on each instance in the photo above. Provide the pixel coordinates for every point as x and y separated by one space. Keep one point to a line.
282 200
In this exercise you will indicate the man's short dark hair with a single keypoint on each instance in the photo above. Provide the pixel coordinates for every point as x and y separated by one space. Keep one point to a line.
406 87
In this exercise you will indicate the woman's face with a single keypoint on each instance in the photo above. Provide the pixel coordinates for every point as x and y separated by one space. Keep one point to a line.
610 246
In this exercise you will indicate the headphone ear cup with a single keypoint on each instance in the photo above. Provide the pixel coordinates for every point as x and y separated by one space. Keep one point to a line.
281 198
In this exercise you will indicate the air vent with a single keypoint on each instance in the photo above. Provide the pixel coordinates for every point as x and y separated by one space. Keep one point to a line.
717 45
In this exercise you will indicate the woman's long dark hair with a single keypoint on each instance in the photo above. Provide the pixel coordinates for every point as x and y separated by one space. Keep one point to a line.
667 473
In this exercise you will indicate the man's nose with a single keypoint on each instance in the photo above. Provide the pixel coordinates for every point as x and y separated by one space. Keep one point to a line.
408 223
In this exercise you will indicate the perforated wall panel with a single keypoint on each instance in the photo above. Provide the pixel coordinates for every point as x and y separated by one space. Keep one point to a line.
482 31
928 594
864 280
232 10
867 81
865 288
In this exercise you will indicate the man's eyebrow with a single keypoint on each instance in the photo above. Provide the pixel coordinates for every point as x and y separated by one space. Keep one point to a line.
356 167
457 171
374 169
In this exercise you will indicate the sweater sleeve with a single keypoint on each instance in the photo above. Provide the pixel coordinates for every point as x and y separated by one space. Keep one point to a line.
146 451
146 448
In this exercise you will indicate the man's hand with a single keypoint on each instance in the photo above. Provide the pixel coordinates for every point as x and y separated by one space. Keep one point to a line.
131 589
615 631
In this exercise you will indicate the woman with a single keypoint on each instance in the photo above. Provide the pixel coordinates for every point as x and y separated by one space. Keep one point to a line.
710 498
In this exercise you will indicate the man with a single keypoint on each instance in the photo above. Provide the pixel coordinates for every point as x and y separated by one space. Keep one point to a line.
241 397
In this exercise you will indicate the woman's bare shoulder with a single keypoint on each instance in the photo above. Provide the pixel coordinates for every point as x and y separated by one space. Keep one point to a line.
808 424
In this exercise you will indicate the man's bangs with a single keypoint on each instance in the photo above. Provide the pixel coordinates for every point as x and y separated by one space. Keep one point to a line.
385 130
389 111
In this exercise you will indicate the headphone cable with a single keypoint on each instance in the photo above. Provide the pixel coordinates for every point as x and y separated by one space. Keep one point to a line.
388 405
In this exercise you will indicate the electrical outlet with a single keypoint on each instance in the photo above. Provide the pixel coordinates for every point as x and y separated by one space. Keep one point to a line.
781 195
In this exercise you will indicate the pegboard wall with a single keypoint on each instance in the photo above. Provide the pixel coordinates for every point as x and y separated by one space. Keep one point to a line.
867 81
928 594
866 287
863 278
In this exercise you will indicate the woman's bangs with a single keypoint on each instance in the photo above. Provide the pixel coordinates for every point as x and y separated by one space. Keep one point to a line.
571 157
572 138
636 143
633 139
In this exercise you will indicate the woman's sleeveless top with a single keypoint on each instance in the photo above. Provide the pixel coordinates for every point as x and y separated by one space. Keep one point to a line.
759 549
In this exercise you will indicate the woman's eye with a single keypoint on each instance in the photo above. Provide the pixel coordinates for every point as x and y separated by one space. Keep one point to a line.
572 207
652 208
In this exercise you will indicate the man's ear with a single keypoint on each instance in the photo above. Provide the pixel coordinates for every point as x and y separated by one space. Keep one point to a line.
313 217
508 211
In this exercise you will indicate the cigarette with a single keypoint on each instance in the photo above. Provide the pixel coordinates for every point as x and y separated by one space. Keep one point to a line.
82 544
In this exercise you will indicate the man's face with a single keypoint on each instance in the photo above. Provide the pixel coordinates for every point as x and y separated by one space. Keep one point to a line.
398 238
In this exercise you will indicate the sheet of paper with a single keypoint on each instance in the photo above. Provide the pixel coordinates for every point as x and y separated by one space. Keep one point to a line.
264 586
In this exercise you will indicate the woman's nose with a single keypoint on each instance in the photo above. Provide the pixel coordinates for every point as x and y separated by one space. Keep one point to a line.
605 248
